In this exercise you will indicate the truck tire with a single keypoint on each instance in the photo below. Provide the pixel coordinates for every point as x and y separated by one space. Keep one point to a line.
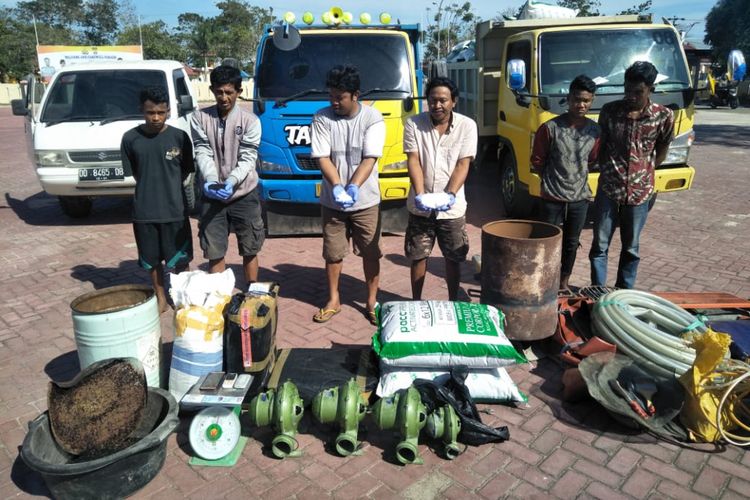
734 102
516 200
75 207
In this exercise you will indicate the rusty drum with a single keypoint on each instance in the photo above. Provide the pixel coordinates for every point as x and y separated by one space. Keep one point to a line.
521 274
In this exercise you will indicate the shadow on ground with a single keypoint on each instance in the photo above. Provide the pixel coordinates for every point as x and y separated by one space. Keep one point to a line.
42 209
731 136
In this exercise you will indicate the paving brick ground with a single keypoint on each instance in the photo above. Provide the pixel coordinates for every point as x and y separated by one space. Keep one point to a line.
696 240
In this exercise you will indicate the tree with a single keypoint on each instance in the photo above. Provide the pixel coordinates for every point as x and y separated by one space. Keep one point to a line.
18 56
52 13
158 41
99 25
450 24
585 7
728 27
238 29
196 35
640 8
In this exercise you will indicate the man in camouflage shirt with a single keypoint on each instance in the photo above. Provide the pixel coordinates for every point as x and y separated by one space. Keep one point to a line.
635 137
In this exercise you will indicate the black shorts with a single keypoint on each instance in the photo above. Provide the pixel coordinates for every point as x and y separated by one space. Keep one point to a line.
242 216
169 242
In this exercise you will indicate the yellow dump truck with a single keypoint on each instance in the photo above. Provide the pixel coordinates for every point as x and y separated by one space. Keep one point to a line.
553 52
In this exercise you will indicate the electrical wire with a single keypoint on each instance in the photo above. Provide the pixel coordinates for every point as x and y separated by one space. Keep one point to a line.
735 396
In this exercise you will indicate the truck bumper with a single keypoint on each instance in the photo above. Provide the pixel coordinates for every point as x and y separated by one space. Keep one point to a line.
295 191
666 179
64 181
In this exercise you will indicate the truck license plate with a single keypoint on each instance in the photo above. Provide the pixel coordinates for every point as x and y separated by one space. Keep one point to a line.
101 174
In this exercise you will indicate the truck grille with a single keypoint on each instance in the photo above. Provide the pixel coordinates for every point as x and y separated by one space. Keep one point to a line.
304 162
94 156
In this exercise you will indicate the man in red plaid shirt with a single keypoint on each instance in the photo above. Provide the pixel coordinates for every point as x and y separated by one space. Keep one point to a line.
635 138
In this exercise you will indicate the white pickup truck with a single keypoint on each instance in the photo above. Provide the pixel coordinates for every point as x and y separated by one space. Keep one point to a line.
74 127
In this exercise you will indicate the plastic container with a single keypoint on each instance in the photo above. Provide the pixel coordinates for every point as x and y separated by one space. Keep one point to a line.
113 476
119 322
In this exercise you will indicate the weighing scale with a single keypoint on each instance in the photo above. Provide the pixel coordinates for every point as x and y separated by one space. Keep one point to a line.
215 432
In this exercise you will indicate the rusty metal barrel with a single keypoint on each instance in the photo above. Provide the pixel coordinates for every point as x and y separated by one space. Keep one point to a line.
521 275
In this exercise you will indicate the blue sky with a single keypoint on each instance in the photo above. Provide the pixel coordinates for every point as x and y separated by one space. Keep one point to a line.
412 11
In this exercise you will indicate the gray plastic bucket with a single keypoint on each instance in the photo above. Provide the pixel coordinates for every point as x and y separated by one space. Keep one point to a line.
119 322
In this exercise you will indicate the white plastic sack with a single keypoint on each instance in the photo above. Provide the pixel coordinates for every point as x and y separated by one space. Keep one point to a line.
199 288
442 334
492 386
540 10
198 346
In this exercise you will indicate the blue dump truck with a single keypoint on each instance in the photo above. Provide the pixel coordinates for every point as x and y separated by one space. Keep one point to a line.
290 73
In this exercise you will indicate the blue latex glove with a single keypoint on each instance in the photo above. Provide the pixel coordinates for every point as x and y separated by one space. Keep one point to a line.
341 197
451 202
209 192
226 192
420 205
353 191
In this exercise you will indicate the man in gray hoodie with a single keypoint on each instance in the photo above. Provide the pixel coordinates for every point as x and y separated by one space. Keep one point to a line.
226 139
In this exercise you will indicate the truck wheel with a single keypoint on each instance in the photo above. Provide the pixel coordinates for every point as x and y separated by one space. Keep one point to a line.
734 102
516 199
76 207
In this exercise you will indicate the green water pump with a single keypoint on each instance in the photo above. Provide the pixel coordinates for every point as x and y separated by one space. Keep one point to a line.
283 410
444 423
405 411
346 406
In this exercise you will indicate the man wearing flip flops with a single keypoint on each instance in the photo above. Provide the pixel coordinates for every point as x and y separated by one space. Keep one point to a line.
347 140
439 145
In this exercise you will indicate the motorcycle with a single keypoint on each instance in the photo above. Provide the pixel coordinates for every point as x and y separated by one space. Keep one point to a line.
723 92
724 87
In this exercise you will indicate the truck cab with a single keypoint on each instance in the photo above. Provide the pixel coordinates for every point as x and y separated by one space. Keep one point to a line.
290 88
75 126
553 52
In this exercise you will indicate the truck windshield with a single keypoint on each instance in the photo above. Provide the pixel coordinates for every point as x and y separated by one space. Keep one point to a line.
382 61
98 95
604 55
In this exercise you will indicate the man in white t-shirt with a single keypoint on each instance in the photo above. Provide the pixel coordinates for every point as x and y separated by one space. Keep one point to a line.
347 140
440 145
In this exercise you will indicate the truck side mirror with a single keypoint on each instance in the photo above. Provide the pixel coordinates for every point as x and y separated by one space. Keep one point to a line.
19 107
408 104
516 71
286 37
186 104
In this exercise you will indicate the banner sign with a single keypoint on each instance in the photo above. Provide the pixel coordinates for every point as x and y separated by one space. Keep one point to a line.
54 57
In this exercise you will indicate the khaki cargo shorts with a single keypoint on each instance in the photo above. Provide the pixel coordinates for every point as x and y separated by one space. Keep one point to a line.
361 226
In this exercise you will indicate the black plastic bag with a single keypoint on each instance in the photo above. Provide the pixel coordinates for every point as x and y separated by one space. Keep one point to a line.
455 393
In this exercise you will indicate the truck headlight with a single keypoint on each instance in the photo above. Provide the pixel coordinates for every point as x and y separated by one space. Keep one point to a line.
399 165
679 149
50 158
274 168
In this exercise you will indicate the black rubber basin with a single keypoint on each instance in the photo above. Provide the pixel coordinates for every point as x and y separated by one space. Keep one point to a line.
113 476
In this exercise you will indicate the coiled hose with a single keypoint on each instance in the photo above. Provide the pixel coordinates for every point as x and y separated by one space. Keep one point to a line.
647 328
